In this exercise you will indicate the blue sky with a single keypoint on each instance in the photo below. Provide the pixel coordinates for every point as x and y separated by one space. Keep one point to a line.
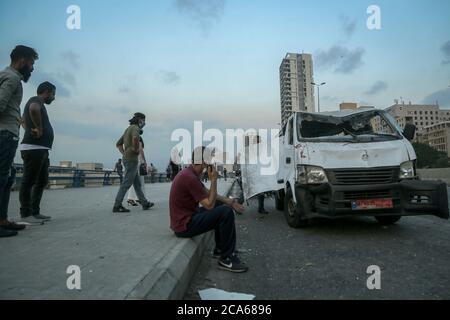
217 61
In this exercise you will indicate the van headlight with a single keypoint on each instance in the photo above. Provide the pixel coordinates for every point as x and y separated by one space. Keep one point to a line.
311 175
407 170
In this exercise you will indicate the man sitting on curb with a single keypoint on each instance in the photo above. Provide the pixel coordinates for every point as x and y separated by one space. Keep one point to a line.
188 220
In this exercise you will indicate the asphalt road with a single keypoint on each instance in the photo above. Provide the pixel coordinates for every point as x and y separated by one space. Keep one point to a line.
329 259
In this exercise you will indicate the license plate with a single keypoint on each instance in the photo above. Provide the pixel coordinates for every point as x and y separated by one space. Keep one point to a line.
372 204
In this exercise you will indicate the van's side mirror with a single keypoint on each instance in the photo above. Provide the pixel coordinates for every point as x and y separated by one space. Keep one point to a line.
409 132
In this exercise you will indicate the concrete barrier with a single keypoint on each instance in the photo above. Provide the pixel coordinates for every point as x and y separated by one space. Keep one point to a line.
435 174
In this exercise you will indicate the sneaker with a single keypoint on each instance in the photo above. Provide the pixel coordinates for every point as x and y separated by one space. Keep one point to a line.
11 226
120 209
148 206
30 221
263 211
7 233
232 264
42 217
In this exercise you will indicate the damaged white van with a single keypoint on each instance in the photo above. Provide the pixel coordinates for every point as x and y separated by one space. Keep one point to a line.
351 163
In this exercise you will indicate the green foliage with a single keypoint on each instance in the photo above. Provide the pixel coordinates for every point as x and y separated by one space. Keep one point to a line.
428 157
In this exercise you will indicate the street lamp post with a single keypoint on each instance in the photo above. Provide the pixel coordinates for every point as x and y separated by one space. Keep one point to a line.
318 93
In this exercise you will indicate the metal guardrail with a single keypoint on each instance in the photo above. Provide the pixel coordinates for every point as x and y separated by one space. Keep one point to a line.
75 178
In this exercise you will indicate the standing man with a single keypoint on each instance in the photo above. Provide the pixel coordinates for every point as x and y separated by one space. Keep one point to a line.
119 169
129 147
225 171
152 171
36 143
11 92
261 208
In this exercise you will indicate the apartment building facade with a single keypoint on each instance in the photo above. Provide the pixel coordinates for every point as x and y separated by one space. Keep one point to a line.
437 136
296 89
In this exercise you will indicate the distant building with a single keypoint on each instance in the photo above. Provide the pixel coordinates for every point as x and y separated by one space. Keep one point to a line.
433 123
348 106
423 115
296 89
437 136
65 164
90 166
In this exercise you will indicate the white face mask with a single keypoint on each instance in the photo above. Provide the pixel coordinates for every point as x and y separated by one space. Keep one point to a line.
141 125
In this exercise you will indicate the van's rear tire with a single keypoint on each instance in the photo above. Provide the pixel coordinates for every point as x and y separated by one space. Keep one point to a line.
388 220
293 212
279 200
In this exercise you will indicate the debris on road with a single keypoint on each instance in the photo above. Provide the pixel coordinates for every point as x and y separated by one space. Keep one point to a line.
217 294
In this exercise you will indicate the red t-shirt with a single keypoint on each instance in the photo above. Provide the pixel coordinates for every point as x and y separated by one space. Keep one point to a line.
186 193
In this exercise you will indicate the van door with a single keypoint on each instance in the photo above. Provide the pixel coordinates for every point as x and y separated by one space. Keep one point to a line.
289 151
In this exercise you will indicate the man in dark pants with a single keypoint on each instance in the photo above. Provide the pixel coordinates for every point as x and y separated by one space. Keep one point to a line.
119 169
188 220
35 146
261 208
11 93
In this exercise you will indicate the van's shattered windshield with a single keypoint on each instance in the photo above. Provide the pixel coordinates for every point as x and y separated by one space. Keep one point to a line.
371 126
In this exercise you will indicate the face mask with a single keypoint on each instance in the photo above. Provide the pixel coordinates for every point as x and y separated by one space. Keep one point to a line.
25 72
141 125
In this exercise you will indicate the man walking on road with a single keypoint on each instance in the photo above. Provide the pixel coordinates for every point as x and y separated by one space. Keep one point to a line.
129 147
36 143
119 169
11 93
188 220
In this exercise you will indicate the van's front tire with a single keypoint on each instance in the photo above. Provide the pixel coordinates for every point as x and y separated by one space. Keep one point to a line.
388 220
293 212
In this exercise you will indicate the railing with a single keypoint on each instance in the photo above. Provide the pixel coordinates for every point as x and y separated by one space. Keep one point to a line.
60 177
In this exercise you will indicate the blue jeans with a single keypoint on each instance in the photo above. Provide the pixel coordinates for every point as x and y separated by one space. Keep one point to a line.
131 179
221 220
8 147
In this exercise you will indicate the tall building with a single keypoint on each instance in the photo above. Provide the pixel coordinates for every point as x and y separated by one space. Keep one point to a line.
297 92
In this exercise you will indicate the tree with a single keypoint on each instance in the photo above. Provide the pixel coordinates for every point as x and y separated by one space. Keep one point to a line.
428 157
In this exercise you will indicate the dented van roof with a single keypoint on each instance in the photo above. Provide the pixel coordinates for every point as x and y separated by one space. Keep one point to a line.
342 113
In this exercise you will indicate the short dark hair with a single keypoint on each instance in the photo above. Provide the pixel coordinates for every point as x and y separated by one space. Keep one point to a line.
136 117
45 86
20 52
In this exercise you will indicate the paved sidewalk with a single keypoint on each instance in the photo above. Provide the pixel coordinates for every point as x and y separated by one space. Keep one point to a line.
121 256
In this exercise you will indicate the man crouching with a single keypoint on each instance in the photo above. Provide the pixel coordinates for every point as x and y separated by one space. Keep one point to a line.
188 220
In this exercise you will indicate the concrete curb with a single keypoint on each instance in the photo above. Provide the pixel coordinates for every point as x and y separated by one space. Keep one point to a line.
172 275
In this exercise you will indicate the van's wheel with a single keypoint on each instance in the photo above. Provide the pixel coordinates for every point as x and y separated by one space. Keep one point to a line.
279 200
387 220
294 212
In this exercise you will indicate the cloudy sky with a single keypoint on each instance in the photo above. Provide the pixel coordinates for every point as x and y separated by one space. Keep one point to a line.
217 61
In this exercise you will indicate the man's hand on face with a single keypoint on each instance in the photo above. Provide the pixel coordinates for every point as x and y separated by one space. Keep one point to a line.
212 173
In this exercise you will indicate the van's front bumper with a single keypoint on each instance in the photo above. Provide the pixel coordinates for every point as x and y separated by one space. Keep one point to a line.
409 197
